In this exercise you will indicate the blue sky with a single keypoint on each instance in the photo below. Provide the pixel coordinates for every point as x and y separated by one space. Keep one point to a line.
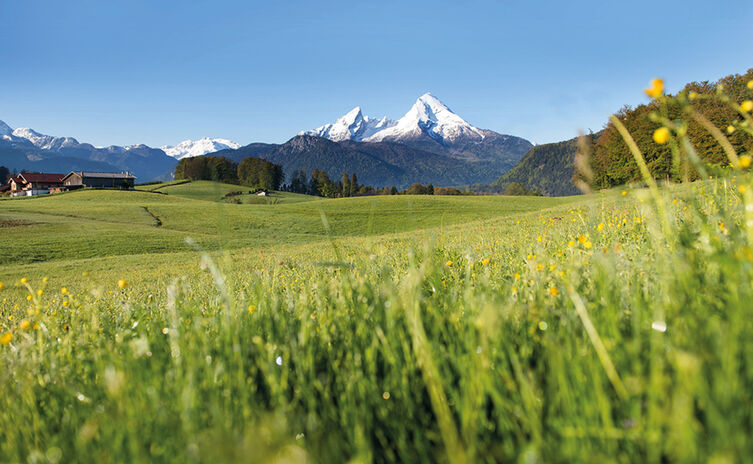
158 72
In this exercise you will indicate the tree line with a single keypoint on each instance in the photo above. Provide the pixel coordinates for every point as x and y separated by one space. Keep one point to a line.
256 173
259 173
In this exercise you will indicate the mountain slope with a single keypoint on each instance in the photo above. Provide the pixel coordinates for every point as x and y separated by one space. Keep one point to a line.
377 164
430 125
547 168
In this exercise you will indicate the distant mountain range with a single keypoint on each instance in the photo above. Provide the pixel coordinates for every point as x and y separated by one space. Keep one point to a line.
429 144
25 148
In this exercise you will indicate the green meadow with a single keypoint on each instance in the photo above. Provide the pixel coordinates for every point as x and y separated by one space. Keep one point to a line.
179 327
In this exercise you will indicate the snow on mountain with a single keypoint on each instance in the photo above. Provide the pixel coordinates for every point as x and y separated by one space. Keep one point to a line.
191 148
46 142
431 117
5 130
352 126
428 116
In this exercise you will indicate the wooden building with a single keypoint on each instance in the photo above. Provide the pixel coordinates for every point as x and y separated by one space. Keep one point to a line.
34 183
118 180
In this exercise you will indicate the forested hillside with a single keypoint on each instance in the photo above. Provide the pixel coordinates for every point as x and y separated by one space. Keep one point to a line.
614 165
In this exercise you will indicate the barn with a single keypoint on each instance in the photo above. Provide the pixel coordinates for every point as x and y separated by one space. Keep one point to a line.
118 180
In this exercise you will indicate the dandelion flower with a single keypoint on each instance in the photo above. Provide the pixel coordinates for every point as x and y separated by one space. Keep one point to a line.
2 286
24 325
448 263
746 106
28 297
745 161
730 129
40 292
122 283
45 279
582 238
656 89
24 280
5 339
750 84
64 291
742 189
661 135
588 245
624 193
553 291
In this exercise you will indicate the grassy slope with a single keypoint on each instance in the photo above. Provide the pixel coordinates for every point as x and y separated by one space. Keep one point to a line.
435 344
88 224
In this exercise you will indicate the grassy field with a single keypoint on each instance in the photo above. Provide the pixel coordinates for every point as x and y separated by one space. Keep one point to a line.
412 329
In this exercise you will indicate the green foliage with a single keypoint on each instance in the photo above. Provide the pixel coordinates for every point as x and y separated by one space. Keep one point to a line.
388 347
218 169
546 168
260 174
613 164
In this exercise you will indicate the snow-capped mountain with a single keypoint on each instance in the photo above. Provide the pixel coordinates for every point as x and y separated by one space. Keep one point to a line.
190 148
432 126
45 142
25 148
431 117
353 126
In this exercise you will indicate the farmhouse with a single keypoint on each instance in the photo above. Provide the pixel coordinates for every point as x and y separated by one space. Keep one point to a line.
34 183
120 180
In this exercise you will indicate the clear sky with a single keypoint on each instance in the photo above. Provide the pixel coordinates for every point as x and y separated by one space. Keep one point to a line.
158 72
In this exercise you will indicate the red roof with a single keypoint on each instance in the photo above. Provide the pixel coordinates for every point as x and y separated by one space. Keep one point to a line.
41 177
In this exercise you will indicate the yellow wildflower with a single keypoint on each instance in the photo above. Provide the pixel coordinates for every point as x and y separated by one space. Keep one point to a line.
553 291
24 280
588 245
661 135
40 292
730 129
746 106
45 279
745 161
742 189
448 263
122 283
624 193
571 243
750 84
656 89
600 227
2 286
5 339
539 238
582 238
64 291
251 308
24 325
693 95
485 261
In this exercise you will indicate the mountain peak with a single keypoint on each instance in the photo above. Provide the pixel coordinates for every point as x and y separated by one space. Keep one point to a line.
191 148
353 125
5 129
